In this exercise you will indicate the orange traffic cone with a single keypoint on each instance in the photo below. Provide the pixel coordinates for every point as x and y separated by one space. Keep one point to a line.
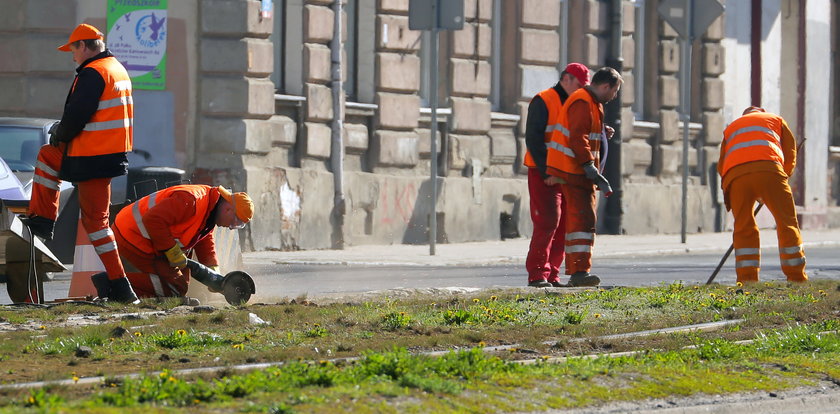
85 264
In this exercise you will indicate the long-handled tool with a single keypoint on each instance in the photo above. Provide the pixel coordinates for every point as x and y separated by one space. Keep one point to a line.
732 246
728 252
236 286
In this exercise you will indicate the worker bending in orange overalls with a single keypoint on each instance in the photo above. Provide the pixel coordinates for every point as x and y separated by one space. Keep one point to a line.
574 161
156 233
88 147
757 156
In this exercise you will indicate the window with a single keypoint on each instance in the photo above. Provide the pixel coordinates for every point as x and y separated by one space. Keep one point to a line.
278 38
359 50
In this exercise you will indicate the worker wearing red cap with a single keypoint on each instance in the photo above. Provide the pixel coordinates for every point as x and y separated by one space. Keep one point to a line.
546 252
757 156
573 161
88 147
157 233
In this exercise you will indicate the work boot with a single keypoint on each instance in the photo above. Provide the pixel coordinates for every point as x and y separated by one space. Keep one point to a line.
558 284
579 279
40 226
540 283
102 284
118 290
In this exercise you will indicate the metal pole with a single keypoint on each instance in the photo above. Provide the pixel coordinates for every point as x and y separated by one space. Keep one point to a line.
433 84
337 126
685 107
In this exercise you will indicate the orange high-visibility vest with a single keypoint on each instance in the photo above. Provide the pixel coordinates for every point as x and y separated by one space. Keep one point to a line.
109 130
553 105
560 153
129 221
753 137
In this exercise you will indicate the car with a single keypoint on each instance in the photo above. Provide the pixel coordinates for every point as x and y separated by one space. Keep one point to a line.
20 141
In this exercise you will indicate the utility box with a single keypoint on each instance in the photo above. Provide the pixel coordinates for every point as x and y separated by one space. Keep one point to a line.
436 14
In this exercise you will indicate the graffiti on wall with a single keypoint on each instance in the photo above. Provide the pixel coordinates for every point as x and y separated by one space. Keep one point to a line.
397 206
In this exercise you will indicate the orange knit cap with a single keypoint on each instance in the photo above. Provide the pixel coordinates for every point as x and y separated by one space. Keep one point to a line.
241 202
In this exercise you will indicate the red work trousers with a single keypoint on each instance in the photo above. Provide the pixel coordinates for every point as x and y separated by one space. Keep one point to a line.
580 226
94 203
545 255
151 275
771 188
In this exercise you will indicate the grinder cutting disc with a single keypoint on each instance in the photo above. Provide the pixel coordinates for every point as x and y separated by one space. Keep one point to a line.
238 287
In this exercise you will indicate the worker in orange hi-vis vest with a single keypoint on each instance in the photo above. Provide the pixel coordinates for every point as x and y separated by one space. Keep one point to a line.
156 234
547 247
757 156
88 147
574 162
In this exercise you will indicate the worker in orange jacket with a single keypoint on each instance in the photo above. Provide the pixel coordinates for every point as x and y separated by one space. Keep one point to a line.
156 233
88 147
757 156
574 162
547 248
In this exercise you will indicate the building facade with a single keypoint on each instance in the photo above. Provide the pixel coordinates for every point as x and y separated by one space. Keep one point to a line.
251 101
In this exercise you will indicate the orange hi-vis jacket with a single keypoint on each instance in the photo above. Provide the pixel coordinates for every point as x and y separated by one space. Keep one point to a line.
131 224
553 105
569 149
110 130
757 136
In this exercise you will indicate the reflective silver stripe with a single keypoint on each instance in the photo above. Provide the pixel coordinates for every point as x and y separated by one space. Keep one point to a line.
565 150
579 248
790 250
101 126
46 182
755 143
105 248
100 234
123 85
138 218
580 235
754 128
155 279
178 242
121 101
46 168
746 263
746 250
793 262
557 127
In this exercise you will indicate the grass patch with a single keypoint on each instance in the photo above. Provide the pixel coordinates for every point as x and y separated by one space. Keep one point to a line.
387 337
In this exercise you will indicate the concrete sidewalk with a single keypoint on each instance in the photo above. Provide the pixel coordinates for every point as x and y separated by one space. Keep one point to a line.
514 250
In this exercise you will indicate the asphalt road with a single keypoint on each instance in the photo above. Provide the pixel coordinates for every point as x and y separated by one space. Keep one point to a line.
275 282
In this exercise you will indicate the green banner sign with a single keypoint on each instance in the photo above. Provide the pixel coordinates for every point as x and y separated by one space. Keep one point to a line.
137 37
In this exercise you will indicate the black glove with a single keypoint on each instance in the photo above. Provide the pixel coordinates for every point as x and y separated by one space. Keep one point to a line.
52 133
592 173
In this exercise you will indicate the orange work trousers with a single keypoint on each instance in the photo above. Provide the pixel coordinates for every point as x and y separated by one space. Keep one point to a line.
151 275
580 226
773 190
94 203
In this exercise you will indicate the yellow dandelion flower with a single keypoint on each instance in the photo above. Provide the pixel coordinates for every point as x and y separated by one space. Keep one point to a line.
822 292
112 385
739 284
542 300
482 344
163 374
42 327
316 325
31 399
172 379
75 379
493 298
237 346
138 333
713 295
746 293
476 300
181 332
597 315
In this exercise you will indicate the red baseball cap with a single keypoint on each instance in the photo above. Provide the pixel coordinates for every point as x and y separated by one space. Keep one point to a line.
82 32
580 71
